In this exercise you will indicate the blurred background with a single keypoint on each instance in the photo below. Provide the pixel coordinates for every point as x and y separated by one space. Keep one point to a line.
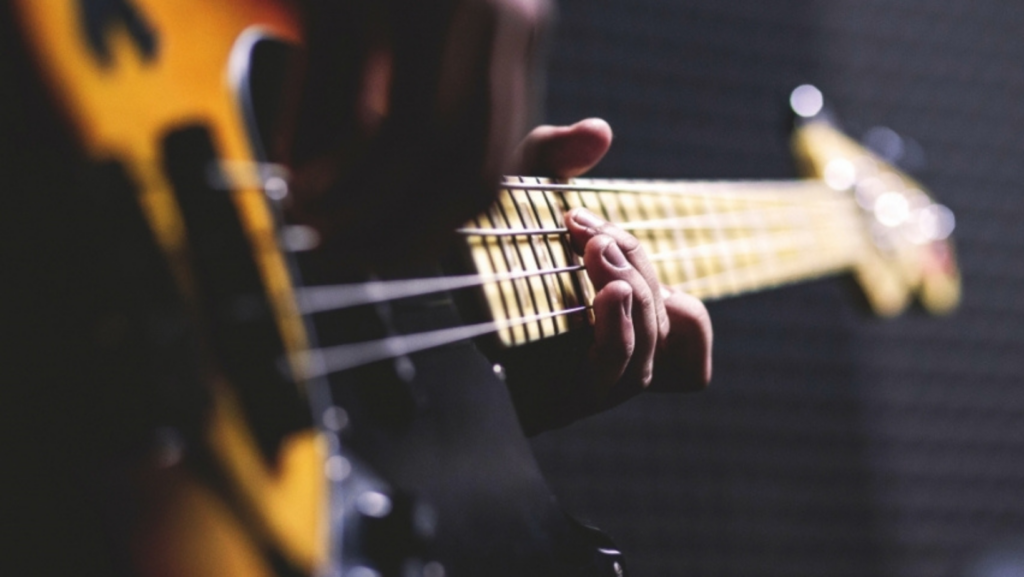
830 443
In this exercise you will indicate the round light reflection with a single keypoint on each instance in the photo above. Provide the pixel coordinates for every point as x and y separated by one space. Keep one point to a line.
806 100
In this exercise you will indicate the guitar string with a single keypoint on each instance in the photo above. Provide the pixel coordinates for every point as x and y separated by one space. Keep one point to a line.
324 361
321 362
780 273
319 299
256 174
747 220
684 188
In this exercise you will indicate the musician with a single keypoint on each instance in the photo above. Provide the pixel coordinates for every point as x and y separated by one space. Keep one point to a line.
439 92
408 113
408 117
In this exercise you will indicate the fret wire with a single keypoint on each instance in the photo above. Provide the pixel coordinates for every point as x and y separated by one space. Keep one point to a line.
551 256
726 261
786 274
537 261
547 254
742 240
485 243
522 262
686 264
788 271
618 205
582 278
770 257
604 207
738 265
695 236
759 238
577 281
661 266
500 241
562 245
808 226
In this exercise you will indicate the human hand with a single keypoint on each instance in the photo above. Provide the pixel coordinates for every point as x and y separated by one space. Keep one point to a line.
646 335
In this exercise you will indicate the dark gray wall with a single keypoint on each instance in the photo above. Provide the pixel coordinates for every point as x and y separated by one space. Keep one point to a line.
829 443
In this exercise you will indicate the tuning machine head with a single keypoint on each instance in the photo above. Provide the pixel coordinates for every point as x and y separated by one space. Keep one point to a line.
909 250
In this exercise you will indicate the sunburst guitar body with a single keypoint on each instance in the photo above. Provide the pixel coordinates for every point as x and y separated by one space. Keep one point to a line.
156 89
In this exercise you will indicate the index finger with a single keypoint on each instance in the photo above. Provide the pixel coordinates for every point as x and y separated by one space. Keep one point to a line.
584 225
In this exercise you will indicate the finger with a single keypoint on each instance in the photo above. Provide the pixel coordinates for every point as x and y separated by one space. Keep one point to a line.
606 264
614 340
584 225
683 360
563 151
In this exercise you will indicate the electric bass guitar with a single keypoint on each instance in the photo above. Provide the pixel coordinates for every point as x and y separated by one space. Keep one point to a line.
215 415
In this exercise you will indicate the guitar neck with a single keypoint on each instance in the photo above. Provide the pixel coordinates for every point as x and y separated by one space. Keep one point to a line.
711 239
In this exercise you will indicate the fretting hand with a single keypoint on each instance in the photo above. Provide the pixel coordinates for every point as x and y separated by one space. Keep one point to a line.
407 139
646 335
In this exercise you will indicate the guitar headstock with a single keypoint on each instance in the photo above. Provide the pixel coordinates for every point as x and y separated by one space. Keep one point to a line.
909 251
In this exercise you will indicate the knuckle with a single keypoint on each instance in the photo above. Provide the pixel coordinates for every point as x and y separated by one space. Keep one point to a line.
597 243
628 243
692 310
627 348
644 298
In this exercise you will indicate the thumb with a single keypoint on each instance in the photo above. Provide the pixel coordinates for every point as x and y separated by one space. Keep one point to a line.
563 151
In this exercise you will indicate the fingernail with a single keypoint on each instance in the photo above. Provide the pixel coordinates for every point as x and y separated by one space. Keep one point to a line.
665 293
613 255
585 218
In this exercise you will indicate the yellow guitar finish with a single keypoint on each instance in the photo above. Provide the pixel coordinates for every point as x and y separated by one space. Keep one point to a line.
121 111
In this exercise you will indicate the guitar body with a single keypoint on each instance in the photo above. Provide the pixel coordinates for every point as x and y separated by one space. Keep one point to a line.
158 430
202 489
